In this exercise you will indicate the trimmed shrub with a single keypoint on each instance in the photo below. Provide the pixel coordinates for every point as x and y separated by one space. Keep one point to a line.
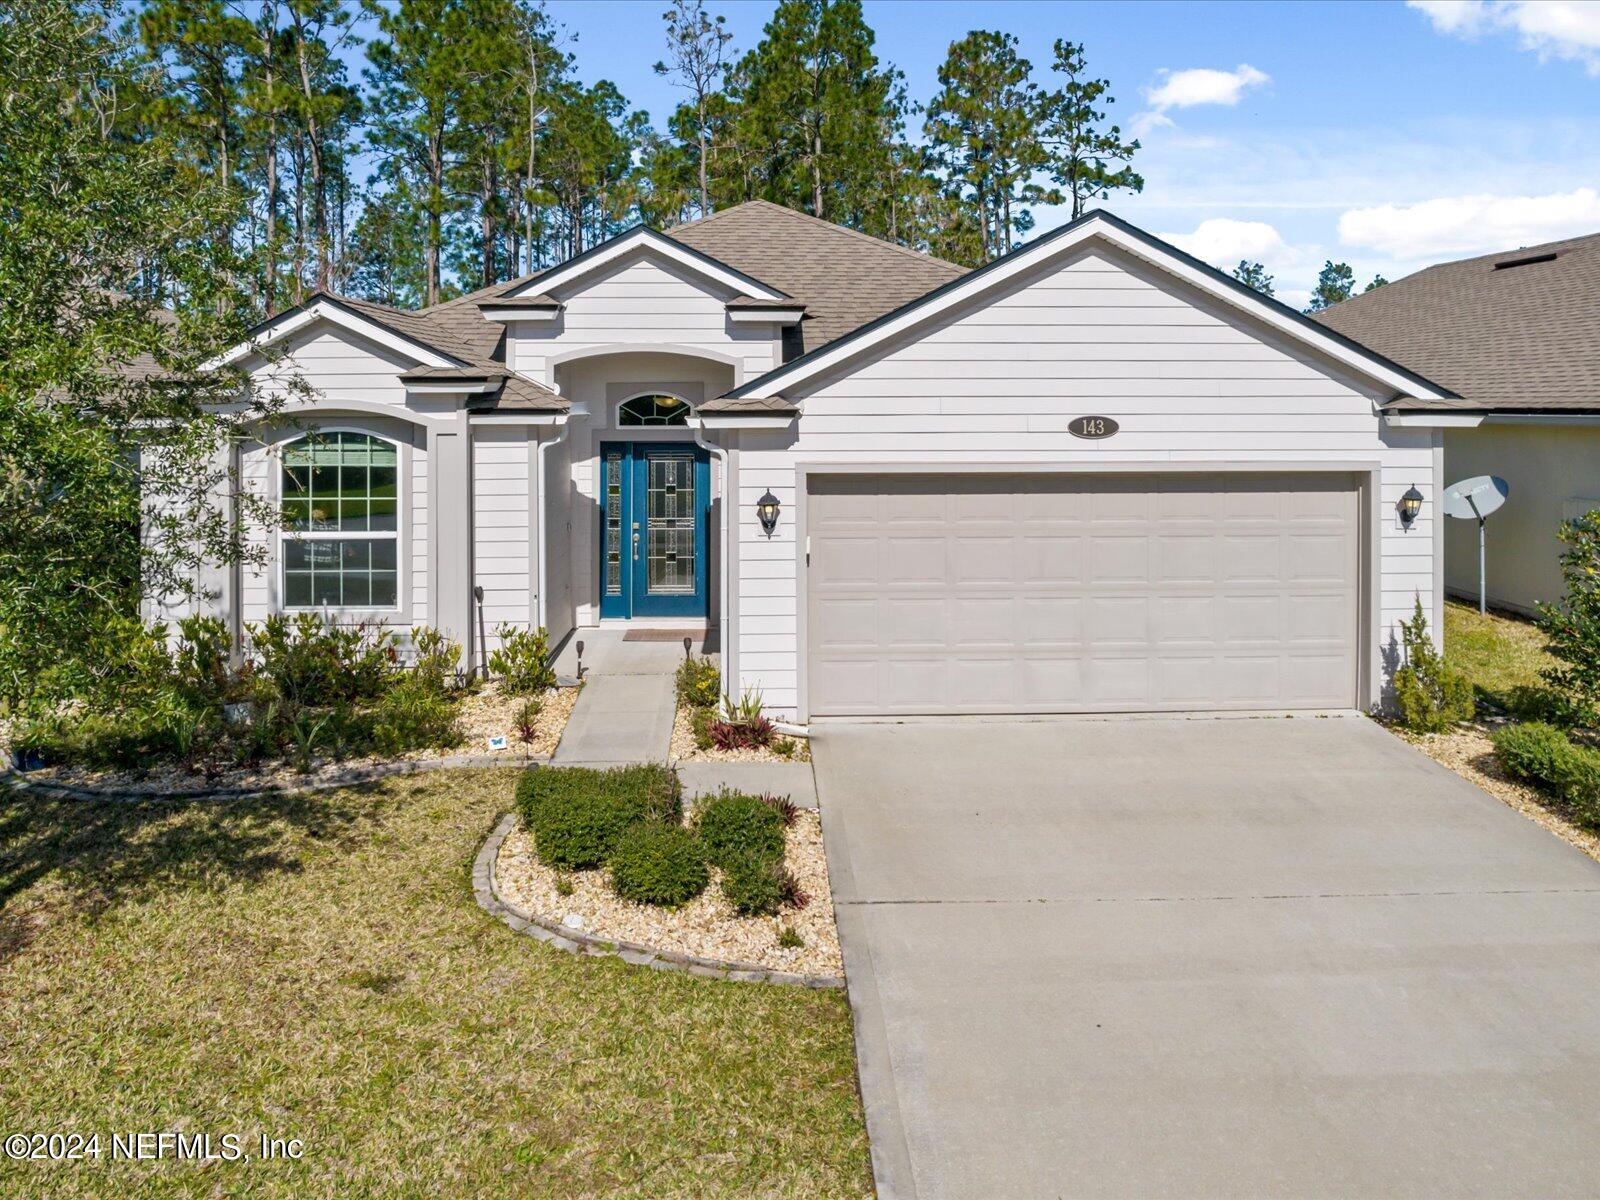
578 814
523 797
752 885
700 722
759 887
732 825
658 864
699 683
1544 756
523 661
1529 703
1430 696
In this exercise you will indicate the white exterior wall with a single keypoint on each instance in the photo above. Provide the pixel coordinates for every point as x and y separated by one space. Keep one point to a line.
354 381
1097 335
1554 473
504 509
557 525
642 302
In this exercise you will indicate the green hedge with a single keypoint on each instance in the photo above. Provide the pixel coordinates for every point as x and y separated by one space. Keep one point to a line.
658 864
578 814
1543 755
754 884
732 825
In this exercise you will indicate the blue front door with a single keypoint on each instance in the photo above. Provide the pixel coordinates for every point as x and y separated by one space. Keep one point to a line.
655 498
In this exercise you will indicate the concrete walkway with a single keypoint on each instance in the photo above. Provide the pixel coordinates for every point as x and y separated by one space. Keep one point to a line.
1207 958
624 713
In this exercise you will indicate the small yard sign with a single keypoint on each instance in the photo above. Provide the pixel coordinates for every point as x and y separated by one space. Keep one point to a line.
497 742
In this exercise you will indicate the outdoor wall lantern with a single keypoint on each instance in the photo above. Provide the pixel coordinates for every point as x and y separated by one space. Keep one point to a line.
1410 505
767 510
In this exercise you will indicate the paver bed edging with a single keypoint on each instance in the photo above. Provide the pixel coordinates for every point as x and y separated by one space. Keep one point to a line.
18 781
486 889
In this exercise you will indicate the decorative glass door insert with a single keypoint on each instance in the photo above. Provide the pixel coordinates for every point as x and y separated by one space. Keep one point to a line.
655 501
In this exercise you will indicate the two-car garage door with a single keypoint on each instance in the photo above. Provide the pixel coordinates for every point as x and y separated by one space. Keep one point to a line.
1080 593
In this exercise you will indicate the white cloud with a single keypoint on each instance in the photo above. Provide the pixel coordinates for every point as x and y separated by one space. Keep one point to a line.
1203 85
1223 242
1466 225
1567 29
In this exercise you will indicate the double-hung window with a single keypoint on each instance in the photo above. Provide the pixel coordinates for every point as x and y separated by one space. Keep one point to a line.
341 507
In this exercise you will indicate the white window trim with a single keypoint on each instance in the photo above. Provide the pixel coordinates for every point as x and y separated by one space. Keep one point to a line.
616 409
399 533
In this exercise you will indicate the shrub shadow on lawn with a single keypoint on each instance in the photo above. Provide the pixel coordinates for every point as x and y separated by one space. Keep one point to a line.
102 854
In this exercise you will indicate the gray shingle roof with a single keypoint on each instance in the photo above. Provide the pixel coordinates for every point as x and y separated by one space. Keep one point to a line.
1514 337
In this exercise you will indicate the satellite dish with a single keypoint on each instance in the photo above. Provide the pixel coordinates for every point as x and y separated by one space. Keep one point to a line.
1474 499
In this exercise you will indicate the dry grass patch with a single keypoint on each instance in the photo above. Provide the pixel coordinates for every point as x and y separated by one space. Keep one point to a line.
315 967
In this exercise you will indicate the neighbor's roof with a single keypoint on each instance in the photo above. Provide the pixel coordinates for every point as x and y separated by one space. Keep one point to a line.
1518 330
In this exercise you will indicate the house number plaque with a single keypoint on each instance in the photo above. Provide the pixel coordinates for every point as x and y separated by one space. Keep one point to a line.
1092 427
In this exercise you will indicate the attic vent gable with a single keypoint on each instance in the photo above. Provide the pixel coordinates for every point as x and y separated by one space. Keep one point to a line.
1530 259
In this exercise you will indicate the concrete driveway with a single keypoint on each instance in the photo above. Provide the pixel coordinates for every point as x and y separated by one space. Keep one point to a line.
1251 957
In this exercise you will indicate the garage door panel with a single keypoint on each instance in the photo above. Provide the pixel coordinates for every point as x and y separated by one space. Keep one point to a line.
931 594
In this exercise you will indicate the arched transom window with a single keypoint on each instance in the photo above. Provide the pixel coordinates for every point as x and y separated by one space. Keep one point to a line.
341 508
653 410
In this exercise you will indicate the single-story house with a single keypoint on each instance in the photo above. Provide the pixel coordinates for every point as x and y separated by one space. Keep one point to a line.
1517 336
1093 475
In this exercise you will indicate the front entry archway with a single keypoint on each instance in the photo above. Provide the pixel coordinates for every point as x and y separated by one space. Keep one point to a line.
655 505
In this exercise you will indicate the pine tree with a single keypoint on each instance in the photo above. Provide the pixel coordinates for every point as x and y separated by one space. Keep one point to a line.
1253 274
981 132
1334 283
697 45
1083 155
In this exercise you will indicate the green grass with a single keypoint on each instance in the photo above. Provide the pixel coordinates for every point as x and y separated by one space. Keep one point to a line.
1497 652
316 968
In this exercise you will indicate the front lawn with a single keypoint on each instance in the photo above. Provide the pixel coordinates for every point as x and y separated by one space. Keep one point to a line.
316 968
1497 652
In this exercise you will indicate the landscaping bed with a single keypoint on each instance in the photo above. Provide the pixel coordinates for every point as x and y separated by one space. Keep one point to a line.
612 853
304 701
710 726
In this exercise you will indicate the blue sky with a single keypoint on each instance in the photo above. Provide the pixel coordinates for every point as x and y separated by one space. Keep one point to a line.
1387 135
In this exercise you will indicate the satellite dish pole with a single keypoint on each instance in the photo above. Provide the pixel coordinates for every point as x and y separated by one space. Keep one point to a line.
1473 500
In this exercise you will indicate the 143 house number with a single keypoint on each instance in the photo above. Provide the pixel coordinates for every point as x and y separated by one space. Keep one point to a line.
1092 427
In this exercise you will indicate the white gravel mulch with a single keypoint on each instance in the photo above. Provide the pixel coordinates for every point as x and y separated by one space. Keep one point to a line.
684 749
481 715
707 926
1469 752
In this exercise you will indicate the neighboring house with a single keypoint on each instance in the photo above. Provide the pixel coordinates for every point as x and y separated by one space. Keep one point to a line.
1517 335
592 445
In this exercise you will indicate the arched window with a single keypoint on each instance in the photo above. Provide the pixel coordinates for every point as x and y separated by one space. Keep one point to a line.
653 410
341 508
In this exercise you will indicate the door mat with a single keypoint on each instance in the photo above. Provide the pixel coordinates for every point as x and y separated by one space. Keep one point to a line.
662 635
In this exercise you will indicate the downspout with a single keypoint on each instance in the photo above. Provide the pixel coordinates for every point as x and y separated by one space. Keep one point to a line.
542 616
730 512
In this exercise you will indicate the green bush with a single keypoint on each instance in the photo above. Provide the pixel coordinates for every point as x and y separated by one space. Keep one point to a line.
700 722
578 813
1543 755
413 716
732 825
309 662
435 661
1430 696
524 797
658 864
1573 626
699 683
1529 703
523 661
753 884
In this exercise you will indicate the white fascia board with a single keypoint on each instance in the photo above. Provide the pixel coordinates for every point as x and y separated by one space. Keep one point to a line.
321 310
1516 418
504 315
1030 258
446 387
766 316
608 252
517 418
745 420
1433 420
